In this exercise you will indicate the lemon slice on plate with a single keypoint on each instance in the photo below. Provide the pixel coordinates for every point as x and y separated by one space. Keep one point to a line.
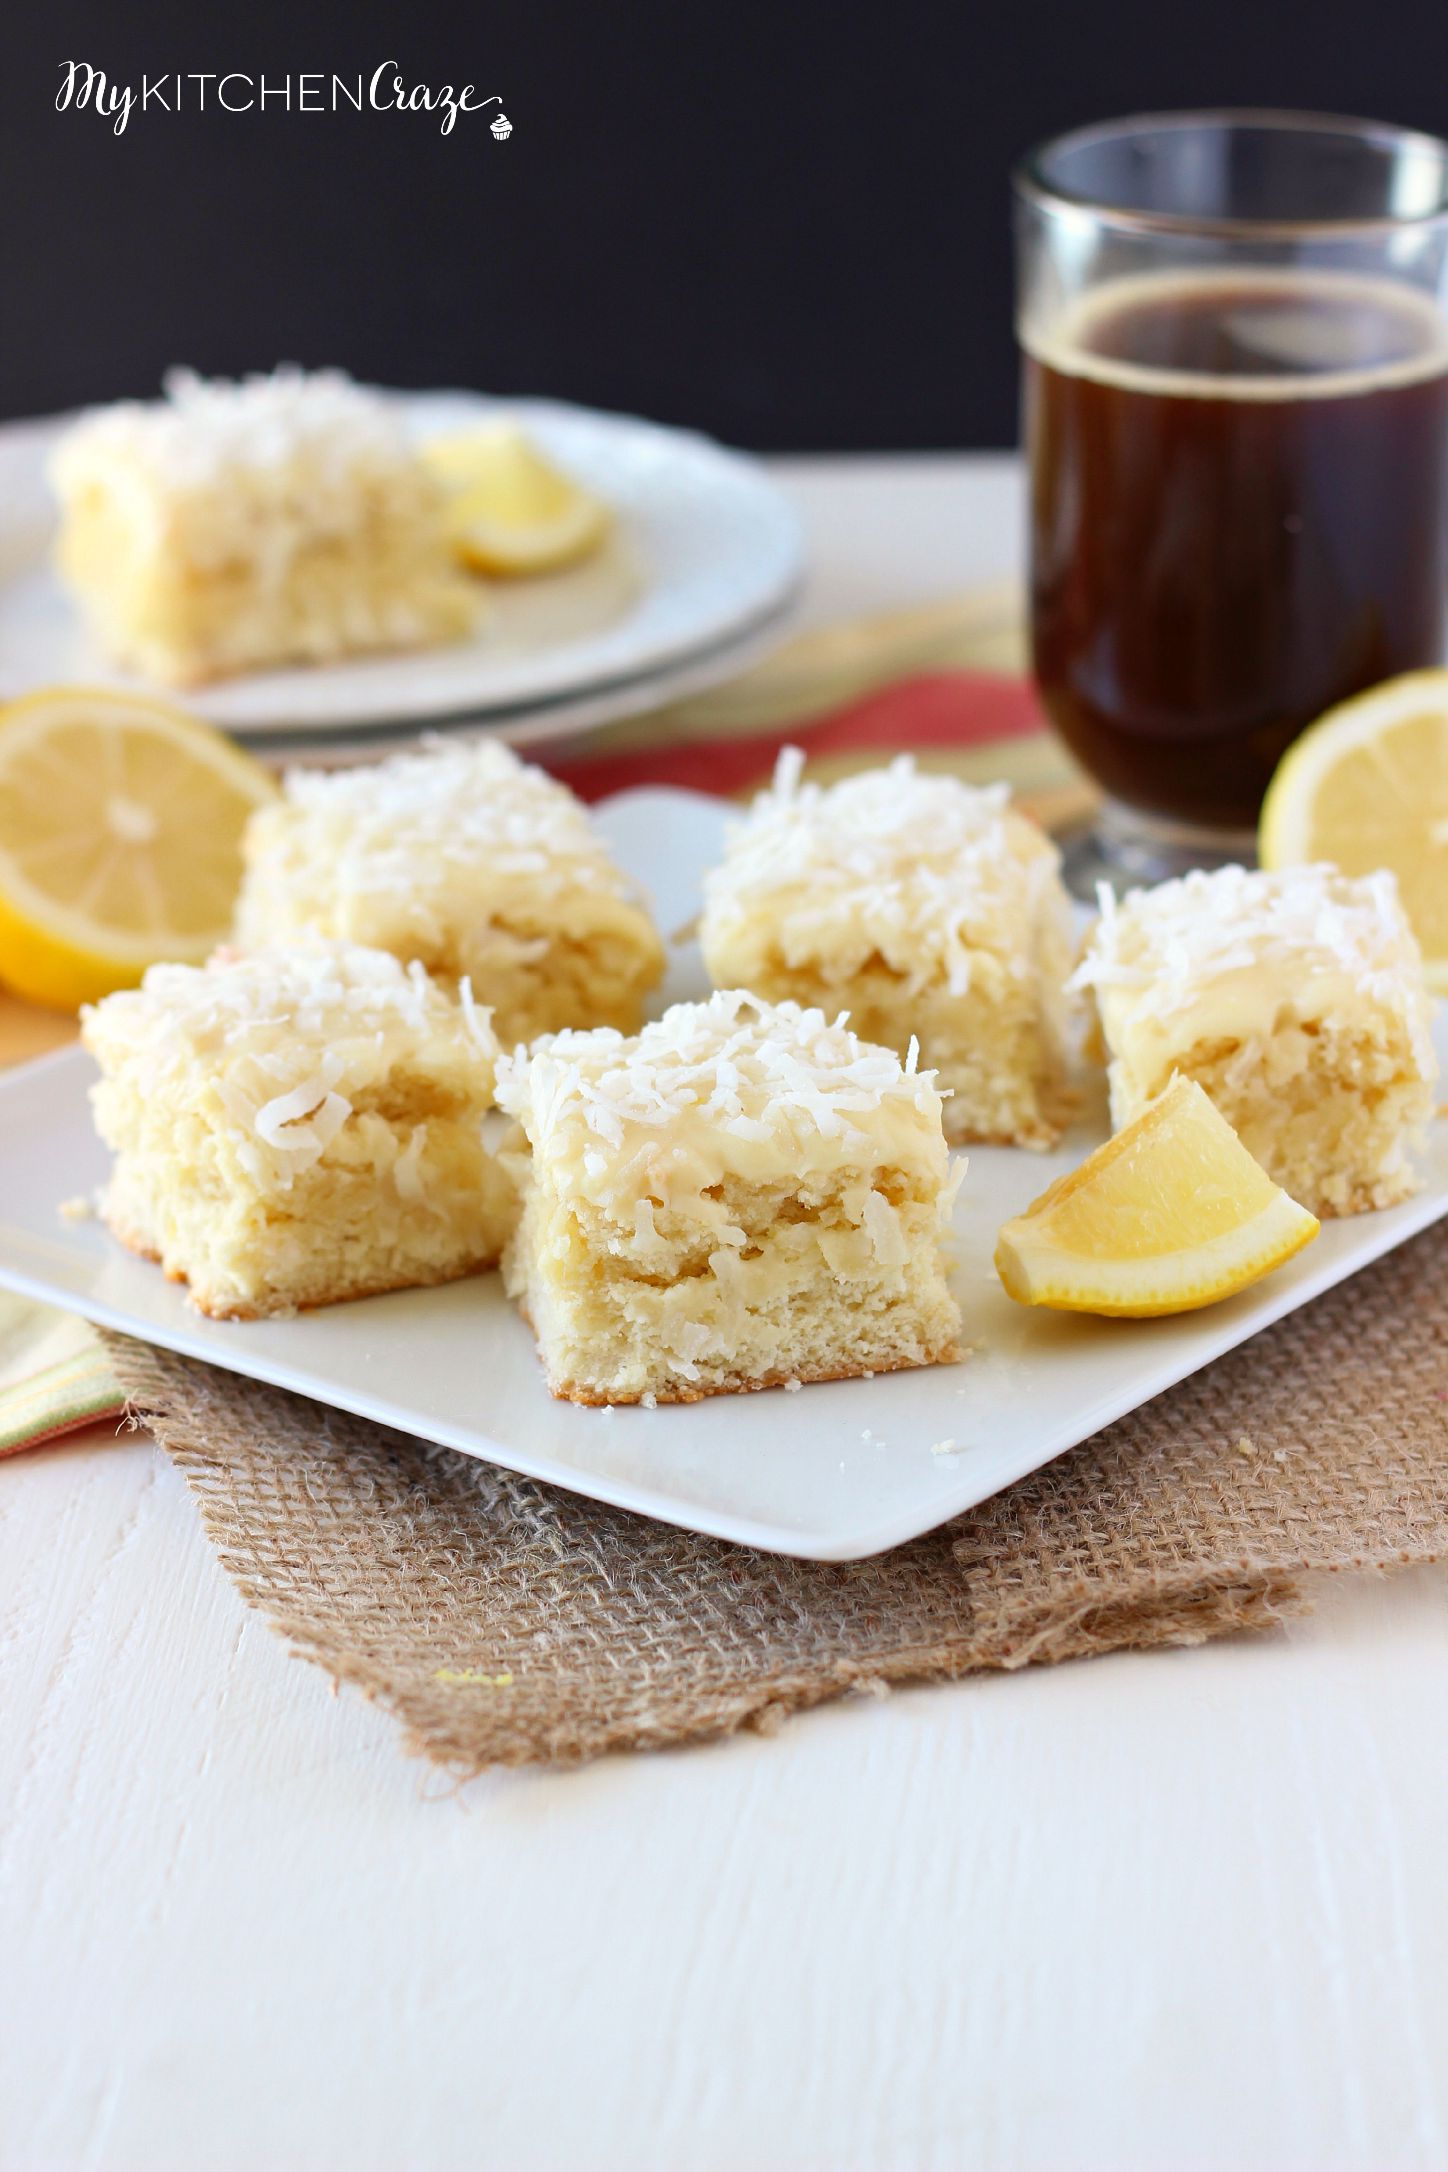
120 840
1367 787
509 511
1171 1214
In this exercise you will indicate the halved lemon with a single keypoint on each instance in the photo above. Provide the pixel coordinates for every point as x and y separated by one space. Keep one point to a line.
509 510
1171 1214
1367 787
120 840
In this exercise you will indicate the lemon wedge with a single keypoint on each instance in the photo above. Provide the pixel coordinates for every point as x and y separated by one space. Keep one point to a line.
120 840
1171 1214
1367 787
509 511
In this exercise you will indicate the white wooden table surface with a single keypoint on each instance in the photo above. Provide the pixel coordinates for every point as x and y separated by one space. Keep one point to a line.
1168 1912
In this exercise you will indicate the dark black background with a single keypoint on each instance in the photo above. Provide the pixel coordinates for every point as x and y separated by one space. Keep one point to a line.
785 222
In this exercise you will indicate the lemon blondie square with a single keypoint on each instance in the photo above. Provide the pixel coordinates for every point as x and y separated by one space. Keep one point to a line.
1296 999
227 527
470 861
740 1196
297 1127
923 906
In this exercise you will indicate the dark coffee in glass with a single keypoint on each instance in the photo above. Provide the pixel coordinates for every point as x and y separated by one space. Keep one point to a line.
1238 454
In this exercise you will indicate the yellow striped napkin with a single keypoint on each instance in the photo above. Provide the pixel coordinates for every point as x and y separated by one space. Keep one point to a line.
53 1377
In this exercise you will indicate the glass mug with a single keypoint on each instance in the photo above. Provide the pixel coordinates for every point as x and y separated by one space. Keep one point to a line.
1235 338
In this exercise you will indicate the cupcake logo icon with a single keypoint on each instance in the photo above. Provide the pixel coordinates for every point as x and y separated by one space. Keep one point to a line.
501 128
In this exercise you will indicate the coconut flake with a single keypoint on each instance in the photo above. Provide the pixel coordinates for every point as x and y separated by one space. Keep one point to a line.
882 1224
272 1119
407 1169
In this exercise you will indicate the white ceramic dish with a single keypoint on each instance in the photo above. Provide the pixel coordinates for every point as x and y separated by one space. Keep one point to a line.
833 1472
706 551
543 723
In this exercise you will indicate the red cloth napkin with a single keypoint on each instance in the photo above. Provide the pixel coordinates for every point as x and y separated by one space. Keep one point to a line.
942 713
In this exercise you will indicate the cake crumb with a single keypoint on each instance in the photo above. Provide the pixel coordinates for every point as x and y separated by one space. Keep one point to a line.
945 1448
84 1207
649 1401
792 1387
1245 1445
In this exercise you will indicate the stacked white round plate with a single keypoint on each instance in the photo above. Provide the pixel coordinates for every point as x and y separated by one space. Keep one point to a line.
692 586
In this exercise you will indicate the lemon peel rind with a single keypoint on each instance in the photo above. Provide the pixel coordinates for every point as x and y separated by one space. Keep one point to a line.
1031 1268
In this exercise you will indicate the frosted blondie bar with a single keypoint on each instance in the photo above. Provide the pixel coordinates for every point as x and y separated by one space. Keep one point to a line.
1296 999
229 527
923 906
296 1127
740 1196
470 861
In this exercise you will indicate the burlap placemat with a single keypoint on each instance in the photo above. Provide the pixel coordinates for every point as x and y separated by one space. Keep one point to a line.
504 1622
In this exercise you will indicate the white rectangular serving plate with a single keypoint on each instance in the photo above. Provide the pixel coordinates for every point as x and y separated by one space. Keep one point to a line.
833 1472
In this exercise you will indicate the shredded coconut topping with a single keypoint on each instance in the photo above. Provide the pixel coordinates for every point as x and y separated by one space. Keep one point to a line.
734 1084
753 1067
406 836
204 429
924 871
1302 920
289 1042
